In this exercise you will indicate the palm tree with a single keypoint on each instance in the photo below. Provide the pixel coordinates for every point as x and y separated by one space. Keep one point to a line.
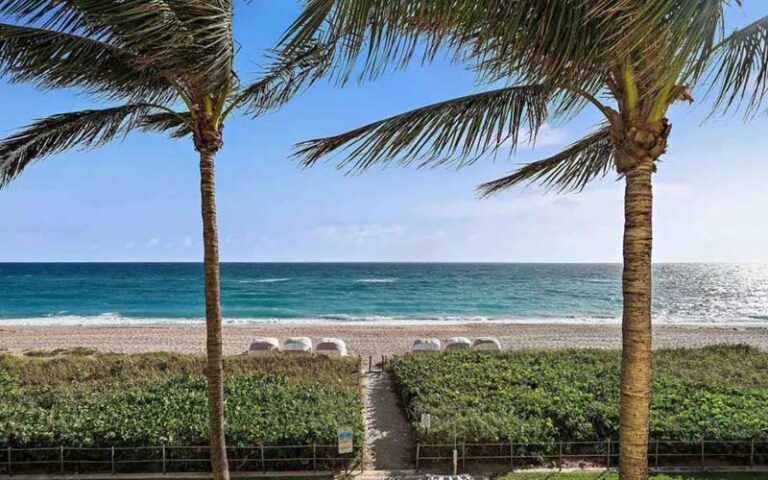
547 61
168 66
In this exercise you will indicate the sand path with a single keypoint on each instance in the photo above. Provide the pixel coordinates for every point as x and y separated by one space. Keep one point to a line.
389 442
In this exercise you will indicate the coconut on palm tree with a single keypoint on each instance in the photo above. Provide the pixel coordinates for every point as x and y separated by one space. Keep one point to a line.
164 66
544 61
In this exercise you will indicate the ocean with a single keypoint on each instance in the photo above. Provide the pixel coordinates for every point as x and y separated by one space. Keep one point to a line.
168 293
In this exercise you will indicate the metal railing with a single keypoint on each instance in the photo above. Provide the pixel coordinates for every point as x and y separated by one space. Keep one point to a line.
662 453
172 458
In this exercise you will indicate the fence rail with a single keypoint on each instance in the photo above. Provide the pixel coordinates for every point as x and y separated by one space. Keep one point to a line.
171 458
662 453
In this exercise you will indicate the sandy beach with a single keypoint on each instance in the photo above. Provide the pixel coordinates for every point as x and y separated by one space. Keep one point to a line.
364 339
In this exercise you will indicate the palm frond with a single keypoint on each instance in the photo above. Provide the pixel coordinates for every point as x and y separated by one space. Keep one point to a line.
686 27
191 36
86 129
209 23
132 24
54 59
456 131
289 73
50 14
177 124
569 170
740 69
541 40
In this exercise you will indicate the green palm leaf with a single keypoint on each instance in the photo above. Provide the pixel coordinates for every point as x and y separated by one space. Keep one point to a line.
209 23
740 66
176 124
57 133
289 73
66 16
553 41
455 131
569 170
57 59
193 36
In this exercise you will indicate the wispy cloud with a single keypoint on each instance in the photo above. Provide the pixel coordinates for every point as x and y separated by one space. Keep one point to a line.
548 136
358 234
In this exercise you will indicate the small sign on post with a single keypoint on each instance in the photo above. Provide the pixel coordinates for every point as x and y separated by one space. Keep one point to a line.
426 421
345 436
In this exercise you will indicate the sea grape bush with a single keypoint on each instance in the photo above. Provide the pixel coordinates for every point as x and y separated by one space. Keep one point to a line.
719 393
148 400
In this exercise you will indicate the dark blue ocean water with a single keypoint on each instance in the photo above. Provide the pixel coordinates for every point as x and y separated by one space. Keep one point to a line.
96 293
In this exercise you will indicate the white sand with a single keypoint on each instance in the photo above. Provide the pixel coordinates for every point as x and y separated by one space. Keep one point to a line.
364 339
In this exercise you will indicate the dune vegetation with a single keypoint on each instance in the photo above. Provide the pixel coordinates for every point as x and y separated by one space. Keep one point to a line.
82 399
717 393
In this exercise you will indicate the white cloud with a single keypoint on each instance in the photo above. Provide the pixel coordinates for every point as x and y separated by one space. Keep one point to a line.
153 242
548 136
358 234
495 208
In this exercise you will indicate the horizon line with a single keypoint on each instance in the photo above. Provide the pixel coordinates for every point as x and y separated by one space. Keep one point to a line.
363 262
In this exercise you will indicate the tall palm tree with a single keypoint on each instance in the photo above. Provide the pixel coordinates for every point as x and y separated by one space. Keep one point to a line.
168 67
544 61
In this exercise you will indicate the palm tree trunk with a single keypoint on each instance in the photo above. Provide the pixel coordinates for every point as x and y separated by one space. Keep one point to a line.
215 367
636 324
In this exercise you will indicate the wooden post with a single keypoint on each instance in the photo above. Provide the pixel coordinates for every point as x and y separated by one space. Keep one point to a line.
314 457
418 454
263 463
10 470
61 458
511 456
362 457
702 452
163 448
608 454
357 373
112 457
752 453
656 457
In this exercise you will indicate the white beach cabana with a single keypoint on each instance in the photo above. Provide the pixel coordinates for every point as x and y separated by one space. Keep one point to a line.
426 345
486 344
297 345
454 344
264 346
331 347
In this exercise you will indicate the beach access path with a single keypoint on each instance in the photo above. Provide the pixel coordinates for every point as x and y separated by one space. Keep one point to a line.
389 440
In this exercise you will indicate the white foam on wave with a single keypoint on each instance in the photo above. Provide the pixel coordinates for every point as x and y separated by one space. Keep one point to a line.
376 280
109 319
265 280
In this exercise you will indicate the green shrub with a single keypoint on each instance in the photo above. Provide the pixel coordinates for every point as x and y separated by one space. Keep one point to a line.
150 399
720 393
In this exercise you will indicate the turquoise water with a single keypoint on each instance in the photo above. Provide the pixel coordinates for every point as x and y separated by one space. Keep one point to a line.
96 293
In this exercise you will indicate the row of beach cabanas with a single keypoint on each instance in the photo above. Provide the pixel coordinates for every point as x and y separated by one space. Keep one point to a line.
335 347
455 344
330 347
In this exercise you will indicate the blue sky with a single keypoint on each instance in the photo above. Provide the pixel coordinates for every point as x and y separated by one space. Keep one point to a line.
138 199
